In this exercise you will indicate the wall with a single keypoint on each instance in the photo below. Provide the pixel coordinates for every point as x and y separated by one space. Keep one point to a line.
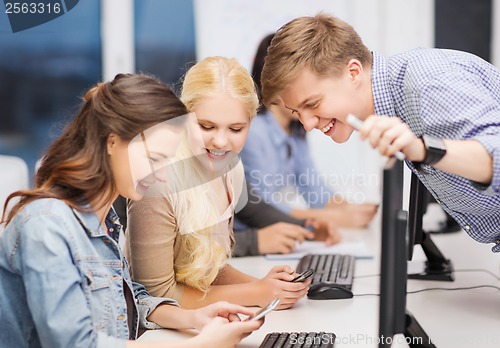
117 32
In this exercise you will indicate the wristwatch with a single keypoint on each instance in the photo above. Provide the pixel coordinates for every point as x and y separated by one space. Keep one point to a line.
435 149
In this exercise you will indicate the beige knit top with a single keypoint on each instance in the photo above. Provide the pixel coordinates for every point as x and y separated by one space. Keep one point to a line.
153 245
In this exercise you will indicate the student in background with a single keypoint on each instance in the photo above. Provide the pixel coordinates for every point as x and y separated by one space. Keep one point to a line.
277 162
180 242
268 230
64 281
440 108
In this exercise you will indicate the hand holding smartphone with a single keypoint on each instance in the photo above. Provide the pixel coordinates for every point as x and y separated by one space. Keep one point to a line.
303 276
263 311
356 123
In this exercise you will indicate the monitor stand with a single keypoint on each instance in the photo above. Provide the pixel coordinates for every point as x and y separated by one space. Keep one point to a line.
437 267
447 226
415 334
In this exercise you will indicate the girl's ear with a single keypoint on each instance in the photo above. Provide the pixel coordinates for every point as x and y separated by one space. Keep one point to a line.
111 143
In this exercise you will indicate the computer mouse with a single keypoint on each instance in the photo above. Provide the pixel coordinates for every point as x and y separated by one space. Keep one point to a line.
325 291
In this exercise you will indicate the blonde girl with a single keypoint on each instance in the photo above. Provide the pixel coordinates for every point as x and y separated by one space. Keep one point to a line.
183 240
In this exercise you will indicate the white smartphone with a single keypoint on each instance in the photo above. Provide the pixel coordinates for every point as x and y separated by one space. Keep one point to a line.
263 311
356 123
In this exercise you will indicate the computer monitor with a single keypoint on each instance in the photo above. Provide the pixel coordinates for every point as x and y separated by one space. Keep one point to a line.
437 267
393 316
393 255
417 209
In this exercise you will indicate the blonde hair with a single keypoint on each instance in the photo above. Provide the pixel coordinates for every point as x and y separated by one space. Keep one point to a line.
197 209
322 43
215 75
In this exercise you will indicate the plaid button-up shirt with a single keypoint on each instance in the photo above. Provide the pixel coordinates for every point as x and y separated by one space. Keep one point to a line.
450 95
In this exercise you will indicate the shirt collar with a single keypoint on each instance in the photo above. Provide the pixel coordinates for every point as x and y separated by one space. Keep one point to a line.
278 135
113 225
91 223
112 217
382 98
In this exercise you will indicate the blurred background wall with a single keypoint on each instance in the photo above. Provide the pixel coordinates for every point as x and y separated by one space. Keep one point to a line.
44 70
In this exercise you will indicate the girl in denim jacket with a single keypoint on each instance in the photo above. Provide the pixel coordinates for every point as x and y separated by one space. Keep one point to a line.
64 281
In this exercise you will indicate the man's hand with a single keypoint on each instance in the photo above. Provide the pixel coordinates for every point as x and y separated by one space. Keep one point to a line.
389 135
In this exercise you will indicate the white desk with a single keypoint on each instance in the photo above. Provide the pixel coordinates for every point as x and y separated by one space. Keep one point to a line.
468 318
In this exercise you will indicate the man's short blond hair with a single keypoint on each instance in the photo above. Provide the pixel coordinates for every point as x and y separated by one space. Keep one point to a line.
322 43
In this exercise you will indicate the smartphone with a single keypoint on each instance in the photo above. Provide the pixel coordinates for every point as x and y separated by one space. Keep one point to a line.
356 123
310 228
263 311
303 276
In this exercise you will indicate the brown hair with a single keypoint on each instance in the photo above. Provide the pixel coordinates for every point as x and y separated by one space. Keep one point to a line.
321 43
76 168
258 64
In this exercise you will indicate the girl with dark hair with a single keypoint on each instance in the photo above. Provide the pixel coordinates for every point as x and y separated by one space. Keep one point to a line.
64 281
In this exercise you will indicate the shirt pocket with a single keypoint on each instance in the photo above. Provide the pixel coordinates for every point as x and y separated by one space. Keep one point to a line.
97 285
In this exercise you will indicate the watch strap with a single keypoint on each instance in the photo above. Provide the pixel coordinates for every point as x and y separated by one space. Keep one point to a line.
435 150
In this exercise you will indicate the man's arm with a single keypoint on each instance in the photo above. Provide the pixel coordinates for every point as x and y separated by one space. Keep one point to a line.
467 158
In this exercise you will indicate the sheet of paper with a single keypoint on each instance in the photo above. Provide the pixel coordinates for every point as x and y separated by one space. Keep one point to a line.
349 246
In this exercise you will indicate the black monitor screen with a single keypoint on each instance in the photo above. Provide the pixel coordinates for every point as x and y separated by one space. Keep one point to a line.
393 255
396 226
416 210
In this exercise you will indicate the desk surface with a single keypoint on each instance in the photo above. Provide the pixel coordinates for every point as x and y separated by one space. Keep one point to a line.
465 318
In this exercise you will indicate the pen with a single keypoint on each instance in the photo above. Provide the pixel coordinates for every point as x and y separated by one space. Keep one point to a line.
356 123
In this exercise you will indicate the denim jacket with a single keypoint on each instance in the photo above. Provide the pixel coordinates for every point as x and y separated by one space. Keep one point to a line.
64 282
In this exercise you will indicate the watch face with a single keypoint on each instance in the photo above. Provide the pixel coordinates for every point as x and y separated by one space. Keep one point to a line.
435 149
434 142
